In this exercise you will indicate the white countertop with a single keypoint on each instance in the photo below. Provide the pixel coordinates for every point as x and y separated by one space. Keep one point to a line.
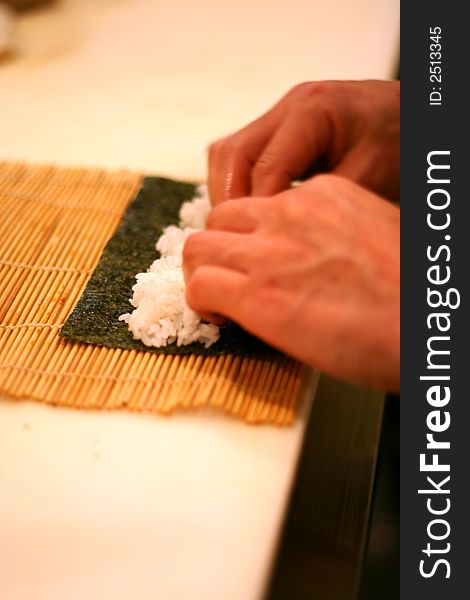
147 84
116 505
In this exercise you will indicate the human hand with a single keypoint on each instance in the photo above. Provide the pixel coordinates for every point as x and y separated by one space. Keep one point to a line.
349 128
313 271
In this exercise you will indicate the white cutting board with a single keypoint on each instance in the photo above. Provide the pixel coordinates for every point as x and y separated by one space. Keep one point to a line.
118 505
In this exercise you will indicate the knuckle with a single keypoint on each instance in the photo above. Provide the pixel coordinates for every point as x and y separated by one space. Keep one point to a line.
319 94
226 143
234 144
310 88
268 165
303 88
288 212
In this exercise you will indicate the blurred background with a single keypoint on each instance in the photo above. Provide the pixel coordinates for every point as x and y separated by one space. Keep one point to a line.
147 84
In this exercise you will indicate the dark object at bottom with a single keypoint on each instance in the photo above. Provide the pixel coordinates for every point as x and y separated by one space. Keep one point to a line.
324 551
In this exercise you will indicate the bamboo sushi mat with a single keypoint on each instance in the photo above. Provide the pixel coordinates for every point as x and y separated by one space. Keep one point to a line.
53 227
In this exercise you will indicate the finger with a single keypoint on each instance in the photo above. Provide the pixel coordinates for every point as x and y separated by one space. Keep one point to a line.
215 290
242 216
267 259
216 248
292 151
229 173
231 160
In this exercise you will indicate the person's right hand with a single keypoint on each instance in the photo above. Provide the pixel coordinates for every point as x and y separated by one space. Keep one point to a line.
313 271
350 128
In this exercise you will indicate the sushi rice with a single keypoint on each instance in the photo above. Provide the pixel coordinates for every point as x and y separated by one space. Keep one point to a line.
161 316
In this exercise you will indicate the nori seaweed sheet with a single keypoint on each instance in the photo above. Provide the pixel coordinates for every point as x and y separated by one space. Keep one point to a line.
131 250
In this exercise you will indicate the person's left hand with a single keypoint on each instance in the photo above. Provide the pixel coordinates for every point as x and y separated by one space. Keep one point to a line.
313 271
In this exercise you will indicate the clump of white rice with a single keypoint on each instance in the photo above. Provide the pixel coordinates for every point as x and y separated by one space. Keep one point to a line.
161 316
